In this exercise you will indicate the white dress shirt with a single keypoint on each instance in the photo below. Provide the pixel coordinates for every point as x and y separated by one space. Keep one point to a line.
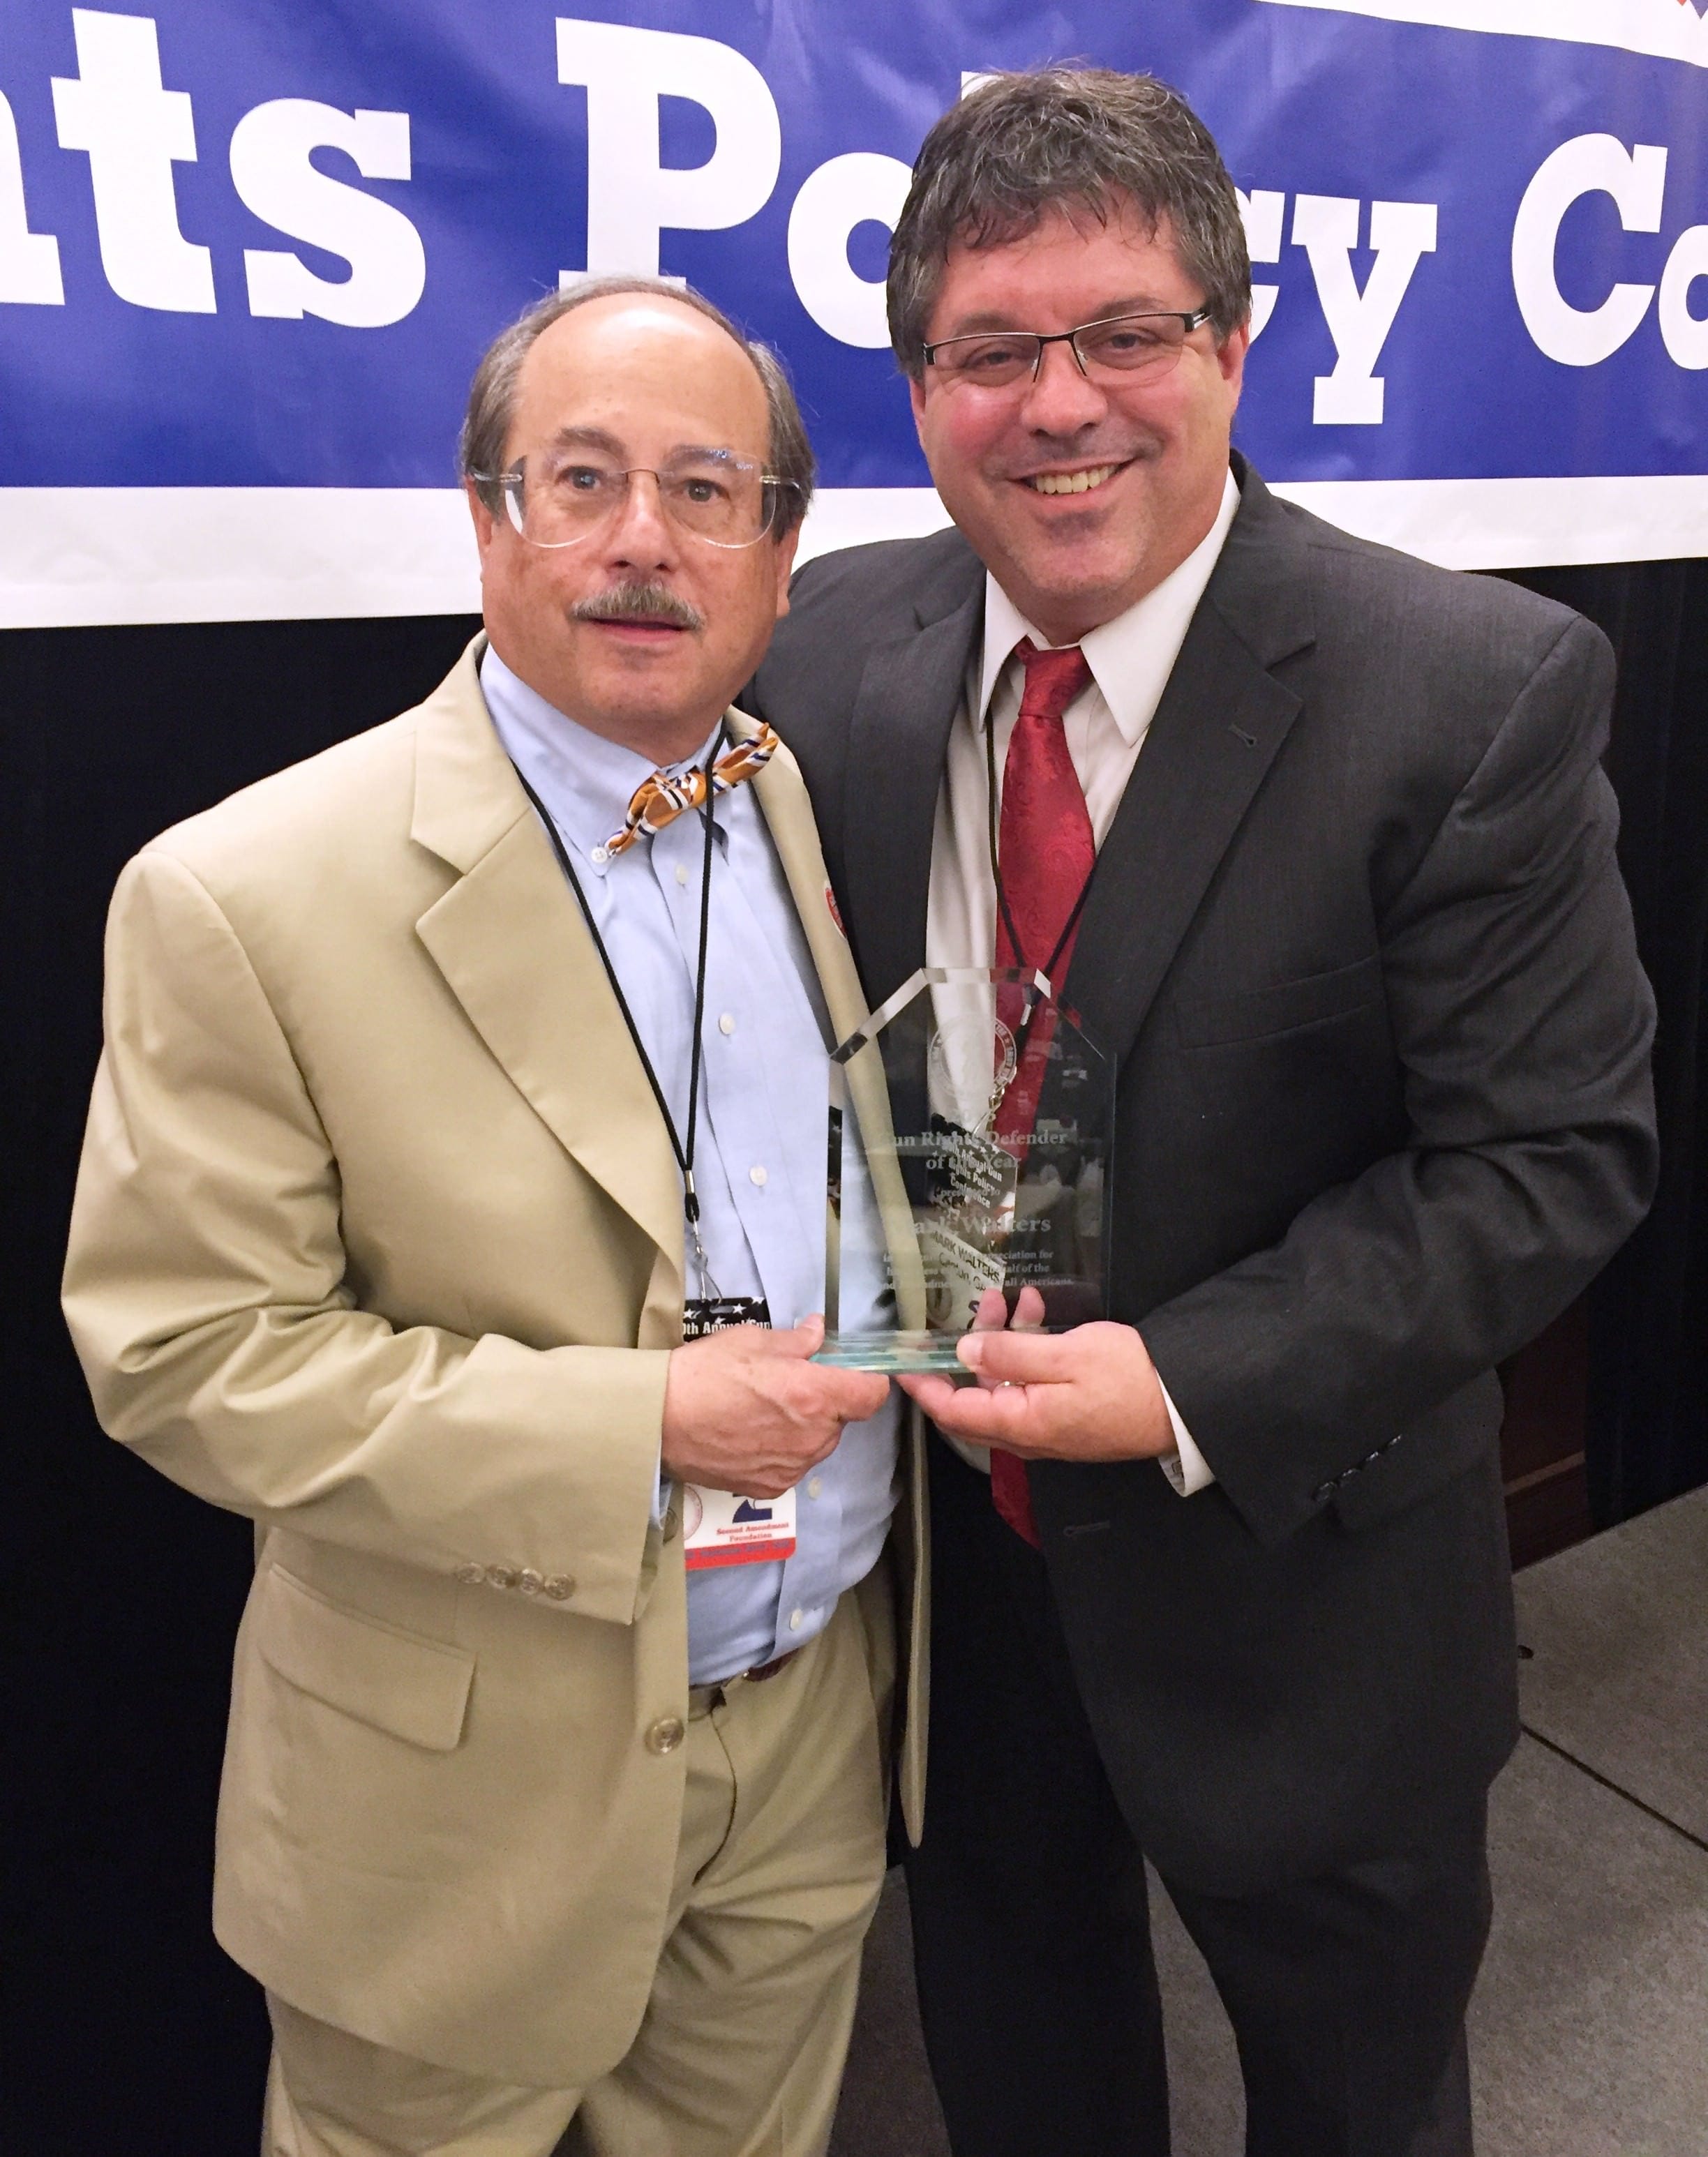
1130 659
759 1157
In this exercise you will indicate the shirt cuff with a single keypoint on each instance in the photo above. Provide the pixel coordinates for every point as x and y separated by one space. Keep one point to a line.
1185 1467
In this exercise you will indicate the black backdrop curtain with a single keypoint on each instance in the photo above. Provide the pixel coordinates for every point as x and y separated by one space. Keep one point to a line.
140 2039
1647 1408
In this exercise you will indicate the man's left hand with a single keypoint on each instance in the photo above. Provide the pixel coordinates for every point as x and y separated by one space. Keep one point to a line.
1089 1394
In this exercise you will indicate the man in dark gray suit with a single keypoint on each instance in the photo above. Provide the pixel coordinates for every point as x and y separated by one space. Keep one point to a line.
1318 839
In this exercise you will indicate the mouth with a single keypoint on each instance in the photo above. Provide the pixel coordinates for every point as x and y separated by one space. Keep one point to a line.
1087 480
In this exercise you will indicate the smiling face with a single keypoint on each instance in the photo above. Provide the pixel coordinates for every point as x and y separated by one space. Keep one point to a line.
638 380
1080 495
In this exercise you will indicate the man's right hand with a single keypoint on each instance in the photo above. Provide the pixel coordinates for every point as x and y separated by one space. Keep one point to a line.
745 1411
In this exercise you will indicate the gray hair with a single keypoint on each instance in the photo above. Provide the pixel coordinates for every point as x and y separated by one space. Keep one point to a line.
1065 137
492 395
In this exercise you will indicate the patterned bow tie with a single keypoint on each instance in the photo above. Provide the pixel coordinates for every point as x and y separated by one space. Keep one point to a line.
662 799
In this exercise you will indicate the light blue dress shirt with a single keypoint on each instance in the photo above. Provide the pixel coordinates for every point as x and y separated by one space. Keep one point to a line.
758 1158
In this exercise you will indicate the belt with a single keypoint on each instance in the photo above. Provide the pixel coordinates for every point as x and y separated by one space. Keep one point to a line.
703 1698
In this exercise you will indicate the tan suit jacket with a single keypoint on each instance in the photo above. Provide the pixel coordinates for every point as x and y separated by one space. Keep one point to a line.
378 1240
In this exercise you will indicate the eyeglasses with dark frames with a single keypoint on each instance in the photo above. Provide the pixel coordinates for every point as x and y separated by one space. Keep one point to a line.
1127 345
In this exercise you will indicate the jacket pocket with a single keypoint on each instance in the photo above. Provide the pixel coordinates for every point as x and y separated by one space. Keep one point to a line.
403 1683
1279 1007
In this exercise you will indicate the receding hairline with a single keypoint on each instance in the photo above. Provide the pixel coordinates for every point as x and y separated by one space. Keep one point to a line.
489 416
666 308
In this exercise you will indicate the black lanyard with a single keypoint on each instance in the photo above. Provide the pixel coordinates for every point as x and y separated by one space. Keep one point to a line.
682 1149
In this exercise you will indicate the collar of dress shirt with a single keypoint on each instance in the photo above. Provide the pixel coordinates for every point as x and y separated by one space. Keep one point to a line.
1131 657
586 781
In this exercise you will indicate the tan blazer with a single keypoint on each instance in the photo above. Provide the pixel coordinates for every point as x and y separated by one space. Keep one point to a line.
378 1240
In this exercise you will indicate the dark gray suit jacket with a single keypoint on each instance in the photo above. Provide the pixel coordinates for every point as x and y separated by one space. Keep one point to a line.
1358 940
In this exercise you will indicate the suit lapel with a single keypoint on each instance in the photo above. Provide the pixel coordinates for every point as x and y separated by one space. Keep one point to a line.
1222 721
510 940
909 695
788 816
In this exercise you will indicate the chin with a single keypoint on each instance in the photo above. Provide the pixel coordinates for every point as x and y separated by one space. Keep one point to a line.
1085 576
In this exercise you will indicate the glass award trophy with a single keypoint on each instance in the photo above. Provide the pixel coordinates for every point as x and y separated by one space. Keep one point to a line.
971 1134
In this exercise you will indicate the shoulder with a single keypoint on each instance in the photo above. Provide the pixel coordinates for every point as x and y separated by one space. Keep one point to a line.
1398 656
300 821
1401 611
843 605
887 581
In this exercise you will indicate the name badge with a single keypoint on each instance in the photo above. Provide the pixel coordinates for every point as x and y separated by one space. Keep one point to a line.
718 1528
702 1315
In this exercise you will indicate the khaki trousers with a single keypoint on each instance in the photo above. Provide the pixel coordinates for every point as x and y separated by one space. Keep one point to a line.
740 2052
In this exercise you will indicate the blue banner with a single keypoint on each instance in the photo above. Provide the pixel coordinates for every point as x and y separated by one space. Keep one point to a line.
261 248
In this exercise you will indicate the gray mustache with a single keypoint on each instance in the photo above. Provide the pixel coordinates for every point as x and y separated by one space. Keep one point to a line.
638 602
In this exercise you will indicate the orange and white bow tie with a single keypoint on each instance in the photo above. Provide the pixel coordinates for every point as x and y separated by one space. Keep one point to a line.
662 799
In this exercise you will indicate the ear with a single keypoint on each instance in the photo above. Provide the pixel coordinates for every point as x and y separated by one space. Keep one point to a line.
1230 359
485 523
785 564
916 398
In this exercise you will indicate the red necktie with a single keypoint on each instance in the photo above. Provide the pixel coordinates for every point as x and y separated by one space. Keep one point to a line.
1045 854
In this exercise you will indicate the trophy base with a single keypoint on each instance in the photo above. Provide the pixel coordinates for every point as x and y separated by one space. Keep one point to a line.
892 1352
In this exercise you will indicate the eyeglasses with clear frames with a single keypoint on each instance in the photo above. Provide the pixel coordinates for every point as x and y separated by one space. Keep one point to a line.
561 499
1125 344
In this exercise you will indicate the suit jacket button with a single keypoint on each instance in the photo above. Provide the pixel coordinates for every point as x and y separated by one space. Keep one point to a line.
560 1586
665 1735
502 1576
530 1581
1321 1492
472 1576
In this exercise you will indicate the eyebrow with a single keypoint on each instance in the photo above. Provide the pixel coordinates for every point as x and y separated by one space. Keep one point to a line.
598 438
586 438
1143 303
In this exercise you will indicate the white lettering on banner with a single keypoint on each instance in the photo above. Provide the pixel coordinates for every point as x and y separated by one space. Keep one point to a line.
1588 165
630 196
1686 335
134 131
1262 213
859 189
1400 234
271 149
29 261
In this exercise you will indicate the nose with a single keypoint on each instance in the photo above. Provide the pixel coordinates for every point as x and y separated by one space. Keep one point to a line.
1060 399
641 536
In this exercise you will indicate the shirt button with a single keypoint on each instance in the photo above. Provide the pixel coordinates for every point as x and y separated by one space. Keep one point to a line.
599 857
502 1576
726 1023
681 873
757 1174
472 1576
560 1586
797 1619
530 1581
665 1735
815 1486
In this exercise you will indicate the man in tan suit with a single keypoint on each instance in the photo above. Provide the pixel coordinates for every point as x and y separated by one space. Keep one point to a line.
450 1078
